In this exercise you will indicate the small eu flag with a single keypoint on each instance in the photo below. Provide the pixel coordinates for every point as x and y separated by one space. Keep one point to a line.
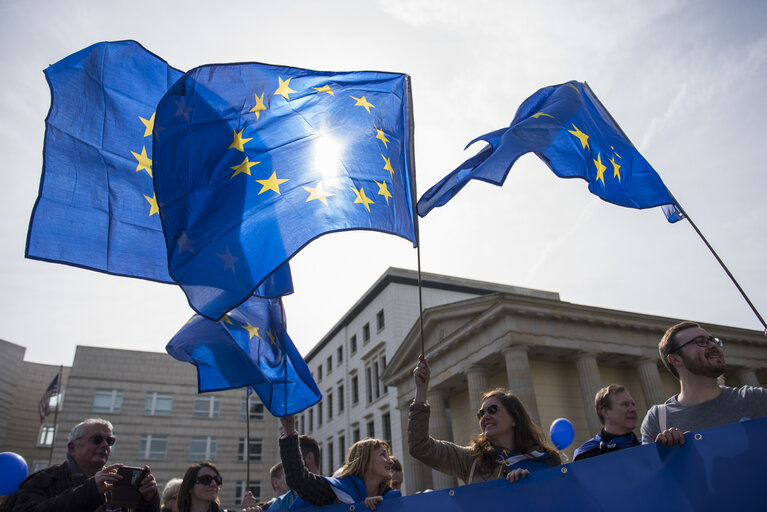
249 347
252 162
570 130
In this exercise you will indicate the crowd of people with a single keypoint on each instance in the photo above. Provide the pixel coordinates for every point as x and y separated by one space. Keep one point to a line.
509 446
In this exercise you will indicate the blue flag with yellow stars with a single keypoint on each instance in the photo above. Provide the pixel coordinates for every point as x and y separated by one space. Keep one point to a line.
96 206
253 161
570 130
250 347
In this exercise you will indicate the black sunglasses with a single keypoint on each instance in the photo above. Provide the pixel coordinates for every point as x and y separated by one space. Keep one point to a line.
490 410
98 439
207 479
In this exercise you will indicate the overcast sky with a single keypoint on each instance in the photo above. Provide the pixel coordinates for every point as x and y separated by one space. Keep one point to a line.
684 79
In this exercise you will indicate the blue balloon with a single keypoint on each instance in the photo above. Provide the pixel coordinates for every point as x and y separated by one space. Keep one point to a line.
13 471
562 433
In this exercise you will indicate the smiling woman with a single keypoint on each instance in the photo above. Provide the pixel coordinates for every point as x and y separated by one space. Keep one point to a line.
199 489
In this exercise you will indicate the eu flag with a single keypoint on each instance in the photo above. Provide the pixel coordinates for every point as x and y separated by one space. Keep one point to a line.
253 161
570 130
249 346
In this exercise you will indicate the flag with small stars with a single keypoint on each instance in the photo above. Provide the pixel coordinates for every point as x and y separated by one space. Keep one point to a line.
572 132
253 161
96 206
248 347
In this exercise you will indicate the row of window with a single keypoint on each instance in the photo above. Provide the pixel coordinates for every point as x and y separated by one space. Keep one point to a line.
380 323
109 401
329 451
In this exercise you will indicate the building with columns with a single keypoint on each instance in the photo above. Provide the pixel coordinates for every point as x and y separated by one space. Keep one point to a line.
554 355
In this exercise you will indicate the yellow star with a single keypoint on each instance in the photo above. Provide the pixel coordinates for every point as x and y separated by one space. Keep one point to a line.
362 198
153 204
144 162
581 136
185 243
576 89
271 337
148 124
227 320
539 114
318 193
259 105
229 260
383 190
273 183
238 142
325 88
616 167
362 102
600 168
194 317
252 331
244 167
284 88
388 167
382 136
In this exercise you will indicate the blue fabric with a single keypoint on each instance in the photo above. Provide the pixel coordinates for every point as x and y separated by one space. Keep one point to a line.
614 442
570 130
351 485
96 206
252 162
248 347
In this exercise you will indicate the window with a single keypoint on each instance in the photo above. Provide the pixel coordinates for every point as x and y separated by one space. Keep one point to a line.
355 435
319 373
368 383
38 465
302 424
107 401
330 364
158 404
353 344
355 389
371 428
152 447
206 406
380 320
386 424
342 448
330 405
311 420
240 489
256 408
202 448
366 333
331 466
373 370
256 449
46 436
340 355
340 398
319 414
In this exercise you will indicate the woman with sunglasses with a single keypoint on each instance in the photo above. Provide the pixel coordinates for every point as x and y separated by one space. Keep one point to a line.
364 477
199 489
509 446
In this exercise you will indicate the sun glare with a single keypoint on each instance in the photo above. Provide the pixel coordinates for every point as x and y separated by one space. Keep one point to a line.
327 156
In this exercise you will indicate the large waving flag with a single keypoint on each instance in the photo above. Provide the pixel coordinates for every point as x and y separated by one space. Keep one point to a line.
248 347
96 207
253 161
570 130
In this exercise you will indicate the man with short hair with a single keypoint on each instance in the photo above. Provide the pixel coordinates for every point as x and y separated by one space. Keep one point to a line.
696 359
277 475
396 474
618 414
310 452
83 483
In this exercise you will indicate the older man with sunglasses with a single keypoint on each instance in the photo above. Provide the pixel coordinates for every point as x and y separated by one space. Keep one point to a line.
84 481
696 359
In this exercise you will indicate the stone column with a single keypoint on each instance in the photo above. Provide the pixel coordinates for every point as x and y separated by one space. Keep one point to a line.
747 377
520 378
649 378
439 429
476 378
411 468
591 382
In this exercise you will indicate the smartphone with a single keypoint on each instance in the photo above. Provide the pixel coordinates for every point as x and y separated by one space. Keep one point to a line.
125 491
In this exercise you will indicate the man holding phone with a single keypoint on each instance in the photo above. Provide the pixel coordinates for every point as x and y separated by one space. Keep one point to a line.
84 482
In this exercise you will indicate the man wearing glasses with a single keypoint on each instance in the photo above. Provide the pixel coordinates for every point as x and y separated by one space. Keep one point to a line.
84 481
696 359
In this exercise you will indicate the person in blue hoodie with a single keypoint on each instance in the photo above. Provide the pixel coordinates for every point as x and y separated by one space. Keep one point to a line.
364 477
618 414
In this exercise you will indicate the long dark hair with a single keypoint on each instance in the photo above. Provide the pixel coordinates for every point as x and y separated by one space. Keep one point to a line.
184 499
528 436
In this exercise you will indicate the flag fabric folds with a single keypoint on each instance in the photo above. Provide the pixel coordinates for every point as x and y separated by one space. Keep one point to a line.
45 402
96 206
252 162
570 130
248 347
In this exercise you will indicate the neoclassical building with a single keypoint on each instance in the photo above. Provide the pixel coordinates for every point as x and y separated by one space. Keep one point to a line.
554 355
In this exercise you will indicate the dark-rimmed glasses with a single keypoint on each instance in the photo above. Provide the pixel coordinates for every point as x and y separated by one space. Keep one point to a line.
97 439
207 479
490 410
701 341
